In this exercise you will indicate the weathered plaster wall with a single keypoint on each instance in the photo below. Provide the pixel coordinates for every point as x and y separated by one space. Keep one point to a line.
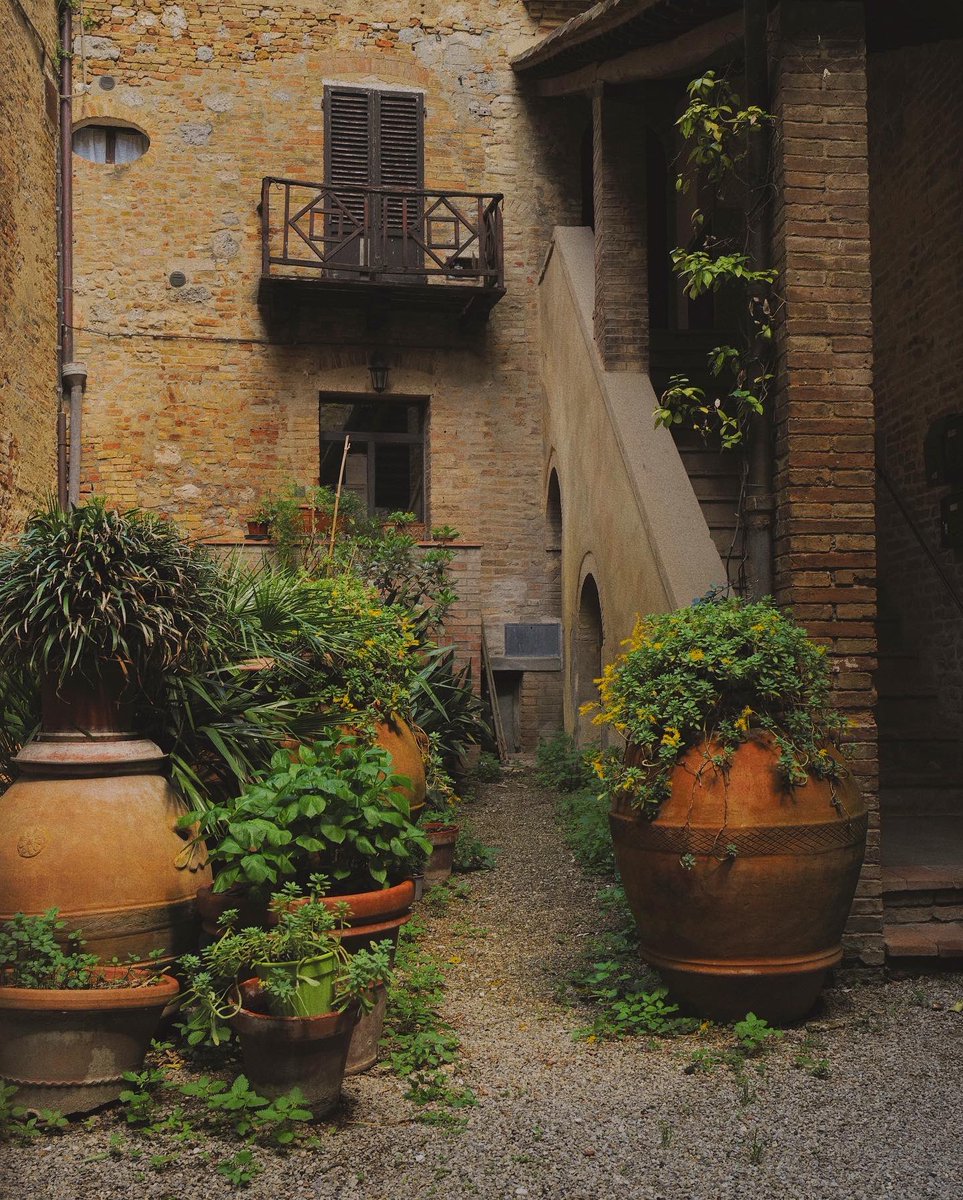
195 405
629 514
916 148
28 257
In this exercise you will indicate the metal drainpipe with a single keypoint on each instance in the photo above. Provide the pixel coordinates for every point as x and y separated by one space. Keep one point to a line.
760 504
75 380
73 375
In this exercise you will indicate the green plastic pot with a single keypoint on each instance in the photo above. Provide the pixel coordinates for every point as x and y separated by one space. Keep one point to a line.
314 980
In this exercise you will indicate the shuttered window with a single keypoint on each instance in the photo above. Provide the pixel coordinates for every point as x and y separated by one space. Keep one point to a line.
373 137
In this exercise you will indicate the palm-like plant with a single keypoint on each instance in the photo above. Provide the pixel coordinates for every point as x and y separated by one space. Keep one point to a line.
90 586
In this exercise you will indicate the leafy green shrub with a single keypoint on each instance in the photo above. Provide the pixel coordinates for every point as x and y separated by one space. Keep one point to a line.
488 768
336 807
562 766
717 674
444 704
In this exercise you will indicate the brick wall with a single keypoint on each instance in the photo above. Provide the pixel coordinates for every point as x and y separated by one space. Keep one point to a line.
621 290
196 403
825 553
29 386
916 148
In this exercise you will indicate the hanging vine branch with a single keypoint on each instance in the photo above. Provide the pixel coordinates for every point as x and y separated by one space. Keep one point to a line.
717 132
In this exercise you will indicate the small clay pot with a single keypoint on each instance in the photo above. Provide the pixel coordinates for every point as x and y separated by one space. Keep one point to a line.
281 1053
442 838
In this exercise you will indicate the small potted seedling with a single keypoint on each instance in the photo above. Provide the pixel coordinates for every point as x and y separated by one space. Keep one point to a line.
294 1018
444 533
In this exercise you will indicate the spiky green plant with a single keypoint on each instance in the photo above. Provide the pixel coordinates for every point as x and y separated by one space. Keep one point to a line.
89 586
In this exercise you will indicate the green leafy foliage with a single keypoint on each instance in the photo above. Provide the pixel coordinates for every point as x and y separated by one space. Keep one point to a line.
20 1124
302 928
444 704
562 765
336 806
717 131
471 853
717 673
420 1043
755 1033
36 951
584 817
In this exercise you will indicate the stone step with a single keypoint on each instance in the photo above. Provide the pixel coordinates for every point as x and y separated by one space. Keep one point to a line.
929 939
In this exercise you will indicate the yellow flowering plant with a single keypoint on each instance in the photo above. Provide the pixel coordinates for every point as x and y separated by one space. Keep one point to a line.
716 673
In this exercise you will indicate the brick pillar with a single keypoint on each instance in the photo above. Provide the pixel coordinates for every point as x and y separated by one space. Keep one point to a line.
621 282
825 544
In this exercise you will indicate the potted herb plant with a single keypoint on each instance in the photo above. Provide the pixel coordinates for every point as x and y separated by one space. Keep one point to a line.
739 831
69 1025
96 606
295 1019
334 806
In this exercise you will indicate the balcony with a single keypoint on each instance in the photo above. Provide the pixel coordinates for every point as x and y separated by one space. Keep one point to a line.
333 246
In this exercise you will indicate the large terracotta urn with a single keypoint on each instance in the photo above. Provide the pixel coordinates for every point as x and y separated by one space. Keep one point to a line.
90 828
741 886
396 736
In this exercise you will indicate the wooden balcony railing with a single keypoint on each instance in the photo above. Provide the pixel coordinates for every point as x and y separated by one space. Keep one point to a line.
374 235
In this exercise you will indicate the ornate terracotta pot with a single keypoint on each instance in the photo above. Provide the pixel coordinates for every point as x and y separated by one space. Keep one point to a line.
90 828
741 886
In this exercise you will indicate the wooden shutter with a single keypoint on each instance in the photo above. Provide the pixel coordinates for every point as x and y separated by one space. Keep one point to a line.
375 138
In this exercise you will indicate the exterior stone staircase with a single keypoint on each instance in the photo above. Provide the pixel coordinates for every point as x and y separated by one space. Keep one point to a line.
921 807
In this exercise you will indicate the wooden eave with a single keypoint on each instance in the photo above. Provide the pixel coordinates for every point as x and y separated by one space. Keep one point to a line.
613 28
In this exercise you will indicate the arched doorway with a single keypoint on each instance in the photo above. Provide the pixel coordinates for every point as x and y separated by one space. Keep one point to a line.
588 657
553 545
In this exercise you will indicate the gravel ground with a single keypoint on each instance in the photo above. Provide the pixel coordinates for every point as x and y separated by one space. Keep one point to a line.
562 1119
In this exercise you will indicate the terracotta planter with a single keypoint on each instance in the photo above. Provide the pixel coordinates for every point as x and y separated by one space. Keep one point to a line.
442 838
281 1053
374 917
397 737
755 922
69 1049
90 828
211 906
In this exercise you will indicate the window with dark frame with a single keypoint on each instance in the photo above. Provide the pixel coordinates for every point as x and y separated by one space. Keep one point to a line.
113 145
386 457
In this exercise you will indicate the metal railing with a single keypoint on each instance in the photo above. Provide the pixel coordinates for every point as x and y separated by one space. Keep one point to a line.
375 234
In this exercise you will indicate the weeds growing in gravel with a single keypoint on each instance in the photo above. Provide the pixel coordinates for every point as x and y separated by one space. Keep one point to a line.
471 853
19 1124
420 1043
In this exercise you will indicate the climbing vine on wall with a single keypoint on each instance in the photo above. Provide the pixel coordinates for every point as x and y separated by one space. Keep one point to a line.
717 133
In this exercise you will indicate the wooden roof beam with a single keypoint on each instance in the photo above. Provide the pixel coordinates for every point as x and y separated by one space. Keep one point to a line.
662 61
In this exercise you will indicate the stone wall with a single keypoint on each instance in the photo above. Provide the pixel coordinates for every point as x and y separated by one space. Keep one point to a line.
29 386
916 147
196 403
825 546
